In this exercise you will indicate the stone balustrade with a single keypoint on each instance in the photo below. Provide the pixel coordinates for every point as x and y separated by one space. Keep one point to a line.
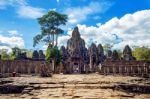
21 66
131 68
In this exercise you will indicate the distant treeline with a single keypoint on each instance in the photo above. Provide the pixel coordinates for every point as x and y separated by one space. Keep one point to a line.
140 53
21 54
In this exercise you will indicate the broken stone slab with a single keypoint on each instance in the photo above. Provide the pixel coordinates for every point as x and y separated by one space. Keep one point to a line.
46 86
10 88
5 81
133 88
27 90
127 95
92 97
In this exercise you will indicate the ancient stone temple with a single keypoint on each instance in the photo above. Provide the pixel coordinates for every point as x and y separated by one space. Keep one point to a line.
76 53
76 58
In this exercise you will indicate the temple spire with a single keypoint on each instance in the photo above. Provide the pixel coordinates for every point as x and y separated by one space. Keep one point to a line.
75 32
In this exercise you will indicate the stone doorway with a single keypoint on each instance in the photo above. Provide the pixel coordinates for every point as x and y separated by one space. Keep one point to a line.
76 68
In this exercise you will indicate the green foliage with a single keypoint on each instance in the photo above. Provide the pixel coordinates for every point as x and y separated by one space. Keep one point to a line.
50 23
107 47
29 53
53 53
18 53
4 54
49 53
15 53
142 53
37 39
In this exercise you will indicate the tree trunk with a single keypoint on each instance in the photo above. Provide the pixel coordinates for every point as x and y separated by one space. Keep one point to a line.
53 65
56 39
53 39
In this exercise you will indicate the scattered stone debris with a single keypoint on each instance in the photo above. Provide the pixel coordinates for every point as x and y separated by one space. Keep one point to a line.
45 72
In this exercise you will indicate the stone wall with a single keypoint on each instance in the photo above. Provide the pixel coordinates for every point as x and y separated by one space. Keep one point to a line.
21 66
121 67
131 68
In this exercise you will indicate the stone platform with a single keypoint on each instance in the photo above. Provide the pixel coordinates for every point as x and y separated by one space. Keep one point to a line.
92 86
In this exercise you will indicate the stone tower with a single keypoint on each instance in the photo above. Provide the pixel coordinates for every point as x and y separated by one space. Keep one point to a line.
93 55
76 53
127 53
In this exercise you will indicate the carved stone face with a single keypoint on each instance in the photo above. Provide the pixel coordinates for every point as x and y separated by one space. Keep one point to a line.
75 33
76 42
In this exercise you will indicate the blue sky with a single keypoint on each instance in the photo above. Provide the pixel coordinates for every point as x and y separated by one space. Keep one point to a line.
118 22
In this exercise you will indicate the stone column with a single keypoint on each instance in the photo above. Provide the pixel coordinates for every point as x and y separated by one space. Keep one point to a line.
90 64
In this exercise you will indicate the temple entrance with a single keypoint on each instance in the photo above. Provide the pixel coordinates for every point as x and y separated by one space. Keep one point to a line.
76 68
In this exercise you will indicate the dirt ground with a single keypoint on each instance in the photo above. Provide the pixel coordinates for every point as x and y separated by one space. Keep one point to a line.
91 86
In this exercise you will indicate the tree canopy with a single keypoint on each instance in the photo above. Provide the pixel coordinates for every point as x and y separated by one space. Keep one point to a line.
142 53
50 29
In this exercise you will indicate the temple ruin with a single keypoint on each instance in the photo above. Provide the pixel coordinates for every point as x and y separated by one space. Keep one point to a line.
77 59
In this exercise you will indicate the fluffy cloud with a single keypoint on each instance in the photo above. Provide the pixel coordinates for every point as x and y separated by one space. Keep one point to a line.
30 12
14 33
132 29
23 9
79 14
7 42
63 40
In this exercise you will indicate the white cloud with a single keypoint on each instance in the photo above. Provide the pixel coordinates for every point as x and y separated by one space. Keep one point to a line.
132 29
13 40
23 9
30 12
45 47
8 49
79 14
14 33
63 40
5 3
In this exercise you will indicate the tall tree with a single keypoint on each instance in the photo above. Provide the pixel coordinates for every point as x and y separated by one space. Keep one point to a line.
50 29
